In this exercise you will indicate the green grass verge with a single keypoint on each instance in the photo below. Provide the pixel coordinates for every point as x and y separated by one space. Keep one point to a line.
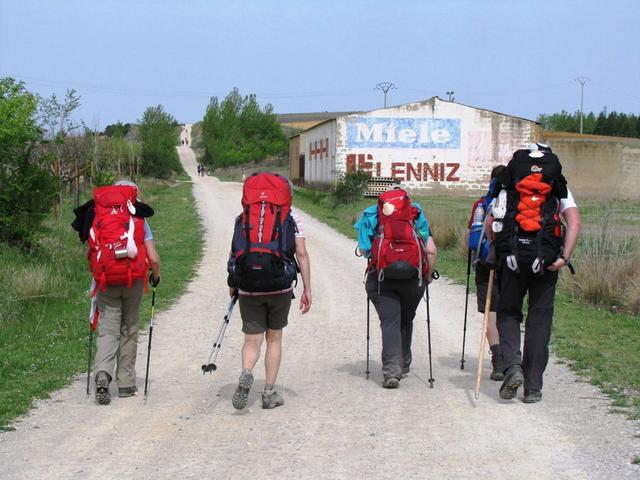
44 305
599 344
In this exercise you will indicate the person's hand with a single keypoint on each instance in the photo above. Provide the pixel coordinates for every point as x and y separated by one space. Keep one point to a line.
305 301
154 281
233 292
557 265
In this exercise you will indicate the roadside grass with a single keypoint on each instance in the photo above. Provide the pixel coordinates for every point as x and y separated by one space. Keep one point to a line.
599 343
44 303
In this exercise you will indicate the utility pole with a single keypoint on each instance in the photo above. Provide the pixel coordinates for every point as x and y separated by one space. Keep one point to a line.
384 87
582 81
450 94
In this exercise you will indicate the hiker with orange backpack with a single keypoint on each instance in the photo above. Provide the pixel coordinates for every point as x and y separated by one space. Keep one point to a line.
121 252
267 251
394 236
531 249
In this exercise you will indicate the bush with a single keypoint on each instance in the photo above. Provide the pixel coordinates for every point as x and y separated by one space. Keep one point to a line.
27 189
607 271
351 186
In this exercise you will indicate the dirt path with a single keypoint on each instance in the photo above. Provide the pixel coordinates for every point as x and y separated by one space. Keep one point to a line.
335 424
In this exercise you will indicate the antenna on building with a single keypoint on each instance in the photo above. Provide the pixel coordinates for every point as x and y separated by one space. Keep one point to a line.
582 81
450 95
384 87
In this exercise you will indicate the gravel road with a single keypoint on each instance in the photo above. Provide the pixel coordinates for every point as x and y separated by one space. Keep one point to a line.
335 424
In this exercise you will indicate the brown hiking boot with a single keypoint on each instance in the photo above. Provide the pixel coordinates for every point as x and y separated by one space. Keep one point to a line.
513 379
103 397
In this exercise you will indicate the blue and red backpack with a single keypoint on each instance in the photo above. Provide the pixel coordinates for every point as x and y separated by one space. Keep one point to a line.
263 248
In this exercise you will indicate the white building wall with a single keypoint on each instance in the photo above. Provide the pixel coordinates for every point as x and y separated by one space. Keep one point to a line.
425 145
320 153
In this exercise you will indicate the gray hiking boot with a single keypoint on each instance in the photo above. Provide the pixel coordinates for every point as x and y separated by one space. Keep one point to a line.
391 382
532 396
125 392
272 400
241 396
513 379
103 397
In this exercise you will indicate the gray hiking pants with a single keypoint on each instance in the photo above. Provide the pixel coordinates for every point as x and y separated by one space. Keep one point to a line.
118 331
396 304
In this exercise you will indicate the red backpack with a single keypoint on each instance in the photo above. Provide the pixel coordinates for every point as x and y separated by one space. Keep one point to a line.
117 255
397 251
263 245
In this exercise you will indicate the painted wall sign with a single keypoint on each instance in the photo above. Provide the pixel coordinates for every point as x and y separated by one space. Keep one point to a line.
405 171
369 132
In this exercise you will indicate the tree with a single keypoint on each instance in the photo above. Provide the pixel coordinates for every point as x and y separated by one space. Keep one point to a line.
55 116
27 188
158 136
238 131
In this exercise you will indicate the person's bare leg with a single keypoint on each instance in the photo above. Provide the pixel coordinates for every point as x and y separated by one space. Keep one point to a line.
273 355
250 355
492 330
251 350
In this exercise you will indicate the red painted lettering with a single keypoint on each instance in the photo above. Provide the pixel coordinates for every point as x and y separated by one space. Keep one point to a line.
454 168
397 170
415 171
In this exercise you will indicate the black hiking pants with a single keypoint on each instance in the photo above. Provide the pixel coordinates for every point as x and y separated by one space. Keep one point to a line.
396 304
542 289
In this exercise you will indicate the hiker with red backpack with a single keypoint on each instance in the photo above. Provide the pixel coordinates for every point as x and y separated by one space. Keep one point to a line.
394 236
531 249
267 251
121 252
482 258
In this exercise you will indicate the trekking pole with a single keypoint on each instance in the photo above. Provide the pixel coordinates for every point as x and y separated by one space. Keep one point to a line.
211 366
431 379
89 359
93 321
466 306
153 310
367 371
483 338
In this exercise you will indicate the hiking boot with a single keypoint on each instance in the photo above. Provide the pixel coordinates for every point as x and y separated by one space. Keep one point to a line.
103 397
272 400
497 363
391 382
532 396
513 379
241 396
125 392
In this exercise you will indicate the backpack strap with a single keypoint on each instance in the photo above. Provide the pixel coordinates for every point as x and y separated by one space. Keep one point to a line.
247 227
277 227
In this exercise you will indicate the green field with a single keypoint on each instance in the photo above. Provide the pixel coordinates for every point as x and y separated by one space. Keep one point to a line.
44 303
599 342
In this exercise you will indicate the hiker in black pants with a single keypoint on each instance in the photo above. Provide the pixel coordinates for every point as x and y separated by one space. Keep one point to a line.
530 264
395 300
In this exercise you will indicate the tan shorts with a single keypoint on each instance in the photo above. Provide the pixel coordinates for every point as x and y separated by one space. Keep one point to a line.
260 312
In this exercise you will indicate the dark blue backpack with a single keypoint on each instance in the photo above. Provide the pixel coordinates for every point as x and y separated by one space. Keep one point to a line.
478 241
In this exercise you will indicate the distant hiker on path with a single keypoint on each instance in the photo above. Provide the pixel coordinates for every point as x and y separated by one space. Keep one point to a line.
121 251
531 250
396 277
262 268
483 260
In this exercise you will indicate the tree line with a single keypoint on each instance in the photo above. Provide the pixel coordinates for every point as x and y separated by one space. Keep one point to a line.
605 123
237 131
45 154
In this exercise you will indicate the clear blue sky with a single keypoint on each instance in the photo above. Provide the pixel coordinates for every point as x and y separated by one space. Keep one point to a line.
516 57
